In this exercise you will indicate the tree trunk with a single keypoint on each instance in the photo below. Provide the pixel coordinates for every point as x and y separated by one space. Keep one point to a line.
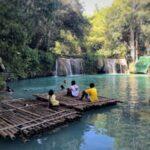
132 45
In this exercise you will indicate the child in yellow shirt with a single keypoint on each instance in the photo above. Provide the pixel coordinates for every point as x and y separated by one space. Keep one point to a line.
91 93
52 99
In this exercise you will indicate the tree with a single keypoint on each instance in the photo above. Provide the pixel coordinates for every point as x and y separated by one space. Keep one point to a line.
30 29
120 29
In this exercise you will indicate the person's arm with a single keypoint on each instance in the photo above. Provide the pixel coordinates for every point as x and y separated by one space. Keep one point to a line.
87 91
53 98
71 88
77 88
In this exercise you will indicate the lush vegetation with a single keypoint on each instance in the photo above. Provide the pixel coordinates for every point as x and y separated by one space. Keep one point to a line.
143 65
120 29
34 33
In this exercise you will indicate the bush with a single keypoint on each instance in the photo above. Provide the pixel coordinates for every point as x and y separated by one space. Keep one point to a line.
47 62
90 63
143 64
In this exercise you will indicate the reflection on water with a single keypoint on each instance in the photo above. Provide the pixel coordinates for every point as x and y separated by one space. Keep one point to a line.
122 127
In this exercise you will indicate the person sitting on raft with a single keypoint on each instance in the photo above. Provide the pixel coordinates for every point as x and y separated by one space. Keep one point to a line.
52 99
73 90
90 93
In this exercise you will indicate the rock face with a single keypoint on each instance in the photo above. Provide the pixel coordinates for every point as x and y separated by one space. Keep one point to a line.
69 66
112 66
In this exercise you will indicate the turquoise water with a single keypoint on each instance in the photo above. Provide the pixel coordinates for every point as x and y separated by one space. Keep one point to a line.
121 127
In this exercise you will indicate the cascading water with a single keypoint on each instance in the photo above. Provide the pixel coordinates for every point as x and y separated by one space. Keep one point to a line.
77 65
112 66
123 66
73 66
65 66
68 67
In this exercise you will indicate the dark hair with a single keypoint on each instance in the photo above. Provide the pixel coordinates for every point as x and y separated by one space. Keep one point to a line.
92 85
73 82
62 87
7 87
51 92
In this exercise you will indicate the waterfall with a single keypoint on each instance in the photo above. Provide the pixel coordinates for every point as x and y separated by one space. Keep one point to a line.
123 66
77 65
112 66
69 66
74 66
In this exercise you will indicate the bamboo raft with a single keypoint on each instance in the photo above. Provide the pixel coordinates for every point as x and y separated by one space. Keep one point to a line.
25 118
71 102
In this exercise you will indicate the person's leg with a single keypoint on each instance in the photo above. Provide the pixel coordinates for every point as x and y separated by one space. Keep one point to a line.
84 94
55 108
69 92
50 105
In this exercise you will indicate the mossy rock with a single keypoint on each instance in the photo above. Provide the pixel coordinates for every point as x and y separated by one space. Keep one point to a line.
143 65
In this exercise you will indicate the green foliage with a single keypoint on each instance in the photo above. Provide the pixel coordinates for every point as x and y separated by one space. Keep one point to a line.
143 64
106 33
30 61
47 61
33 32
68 44
96 38
110 33
103 53
90 62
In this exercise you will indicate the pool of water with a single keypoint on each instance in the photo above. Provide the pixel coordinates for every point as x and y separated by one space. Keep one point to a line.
121 127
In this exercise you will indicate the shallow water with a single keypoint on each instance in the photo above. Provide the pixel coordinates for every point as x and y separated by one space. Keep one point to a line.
121 127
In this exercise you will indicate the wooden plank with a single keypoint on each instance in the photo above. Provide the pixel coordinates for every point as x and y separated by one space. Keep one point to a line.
17 117
20 109
33 120
47 120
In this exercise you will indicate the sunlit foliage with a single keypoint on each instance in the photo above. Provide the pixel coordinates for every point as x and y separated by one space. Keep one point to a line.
120 28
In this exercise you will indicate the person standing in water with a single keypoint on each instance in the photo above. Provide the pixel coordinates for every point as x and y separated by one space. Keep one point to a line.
90 93
62 87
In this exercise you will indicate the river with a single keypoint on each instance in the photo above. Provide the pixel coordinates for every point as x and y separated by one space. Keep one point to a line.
121 127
